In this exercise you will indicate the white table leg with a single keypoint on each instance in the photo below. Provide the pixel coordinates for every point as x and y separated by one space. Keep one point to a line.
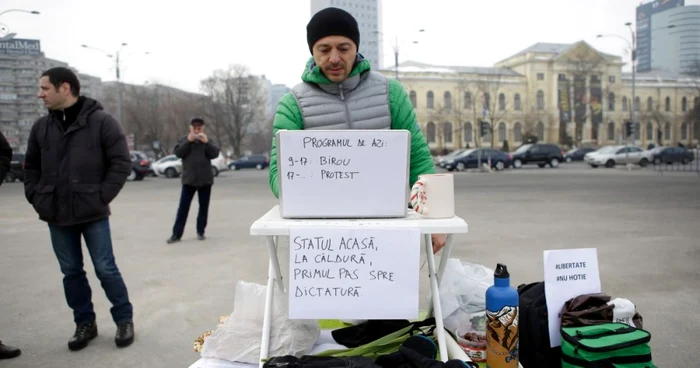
444 257
274 277
435 296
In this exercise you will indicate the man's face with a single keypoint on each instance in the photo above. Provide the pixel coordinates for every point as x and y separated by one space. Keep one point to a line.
198 128
335 55
54 98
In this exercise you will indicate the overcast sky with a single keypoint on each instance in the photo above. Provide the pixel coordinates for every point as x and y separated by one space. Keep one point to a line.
189 40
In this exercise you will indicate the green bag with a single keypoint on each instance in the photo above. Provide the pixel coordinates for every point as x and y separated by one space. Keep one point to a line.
608 345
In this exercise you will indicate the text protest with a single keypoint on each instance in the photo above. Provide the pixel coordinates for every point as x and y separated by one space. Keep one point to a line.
354 273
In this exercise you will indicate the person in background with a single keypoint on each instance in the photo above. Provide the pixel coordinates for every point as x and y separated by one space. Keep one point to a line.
339 91
196 151
6 351
76 163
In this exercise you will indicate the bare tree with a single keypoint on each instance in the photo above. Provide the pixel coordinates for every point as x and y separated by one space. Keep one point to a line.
243 101
656 116
489 87
582 62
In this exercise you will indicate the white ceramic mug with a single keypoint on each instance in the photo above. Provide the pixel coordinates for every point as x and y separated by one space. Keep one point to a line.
433 196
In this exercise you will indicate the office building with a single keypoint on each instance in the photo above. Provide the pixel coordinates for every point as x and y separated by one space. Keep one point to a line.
675 40
21 65
369 20
647 26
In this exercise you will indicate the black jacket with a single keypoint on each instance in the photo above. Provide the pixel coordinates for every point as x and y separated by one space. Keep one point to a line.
72 175
196 161
5 157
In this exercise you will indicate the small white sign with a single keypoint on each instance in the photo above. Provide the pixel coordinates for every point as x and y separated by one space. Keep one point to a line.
353 273
568 273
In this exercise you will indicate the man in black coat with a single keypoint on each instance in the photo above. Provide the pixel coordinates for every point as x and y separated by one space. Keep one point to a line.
76 163
6 352
196 152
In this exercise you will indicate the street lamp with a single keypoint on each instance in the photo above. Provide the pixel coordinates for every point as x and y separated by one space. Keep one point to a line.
117 63
4 29
396 52
21 10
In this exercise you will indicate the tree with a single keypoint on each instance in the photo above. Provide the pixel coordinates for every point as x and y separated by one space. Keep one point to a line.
492 99
242 100
658 117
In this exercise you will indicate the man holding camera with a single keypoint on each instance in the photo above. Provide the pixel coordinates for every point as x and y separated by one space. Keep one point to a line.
196 152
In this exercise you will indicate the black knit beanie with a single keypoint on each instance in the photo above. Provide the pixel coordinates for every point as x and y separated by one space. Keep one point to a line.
332 22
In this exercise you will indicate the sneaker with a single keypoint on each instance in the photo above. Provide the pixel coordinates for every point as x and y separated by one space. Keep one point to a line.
172 239
84 332
201 237
8 352
125 334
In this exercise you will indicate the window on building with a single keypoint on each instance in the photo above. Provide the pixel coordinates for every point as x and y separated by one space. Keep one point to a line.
412 96
517 132
516 102
667 131
650 131
684 131
501 102
487 101
624 104
540 130
611 79
468 132
447 100
501 131
637 131
447 132
636 103
429 102
650 104
540 100
668 103
611 131
684 104
611 101
430 132
540 76
467 100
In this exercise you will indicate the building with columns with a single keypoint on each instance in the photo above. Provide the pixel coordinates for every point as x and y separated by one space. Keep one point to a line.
561 93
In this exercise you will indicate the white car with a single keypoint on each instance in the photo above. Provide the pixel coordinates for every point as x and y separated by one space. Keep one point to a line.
219 164
610 156
169 166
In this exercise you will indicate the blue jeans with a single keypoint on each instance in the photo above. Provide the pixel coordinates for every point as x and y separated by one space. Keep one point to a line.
186 196
68 248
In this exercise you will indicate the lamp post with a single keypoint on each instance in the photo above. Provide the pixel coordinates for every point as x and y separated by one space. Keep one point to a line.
5 30
20 10
396 52
117 64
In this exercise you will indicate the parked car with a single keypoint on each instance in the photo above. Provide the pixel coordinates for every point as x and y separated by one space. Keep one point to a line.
670 155
16 168
169 166
219 164
250 161
609 156
140 166
474 158
576 154
442 161
538 153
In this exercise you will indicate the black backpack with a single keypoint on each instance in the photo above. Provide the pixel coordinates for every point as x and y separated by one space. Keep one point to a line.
533 332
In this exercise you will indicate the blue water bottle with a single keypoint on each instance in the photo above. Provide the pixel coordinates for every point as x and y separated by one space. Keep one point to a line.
502 321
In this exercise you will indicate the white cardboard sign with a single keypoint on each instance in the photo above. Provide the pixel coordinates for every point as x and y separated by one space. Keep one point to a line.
343 173
353 273
568 273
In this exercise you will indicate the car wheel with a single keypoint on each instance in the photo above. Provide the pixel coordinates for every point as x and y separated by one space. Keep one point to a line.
259 167
500 165
594 166
568 159
461 166
517 164
610 163
554 162
132 175
541 165
644 162
10 177
170 173
214 171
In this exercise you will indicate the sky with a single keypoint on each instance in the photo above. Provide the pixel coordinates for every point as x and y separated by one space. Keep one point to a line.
187 41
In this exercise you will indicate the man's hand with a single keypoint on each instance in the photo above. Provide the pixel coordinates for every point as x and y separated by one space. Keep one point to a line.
202 138
191 137
438 242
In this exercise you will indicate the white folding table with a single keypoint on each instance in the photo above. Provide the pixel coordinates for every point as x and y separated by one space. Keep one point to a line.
272 225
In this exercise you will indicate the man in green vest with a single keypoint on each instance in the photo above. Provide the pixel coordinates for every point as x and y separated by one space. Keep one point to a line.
340 92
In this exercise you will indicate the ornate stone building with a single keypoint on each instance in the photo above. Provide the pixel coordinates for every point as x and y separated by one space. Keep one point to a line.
561 93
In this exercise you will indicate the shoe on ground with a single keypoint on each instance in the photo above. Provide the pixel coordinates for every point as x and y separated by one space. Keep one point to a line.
201 237
8 352
125 334
84 332
173 239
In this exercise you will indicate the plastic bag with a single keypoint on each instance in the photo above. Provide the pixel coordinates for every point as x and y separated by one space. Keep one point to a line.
239 338
463 293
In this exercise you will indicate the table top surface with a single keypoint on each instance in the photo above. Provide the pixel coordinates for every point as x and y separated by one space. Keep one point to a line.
272 223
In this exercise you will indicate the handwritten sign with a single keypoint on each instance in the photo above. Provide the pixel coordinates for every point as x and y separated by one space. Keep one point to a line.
343 173
568 273
353 273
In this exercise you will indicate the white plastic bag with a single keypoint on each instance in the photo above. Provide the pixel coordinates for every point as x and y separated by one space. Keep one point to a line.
463 293
238 339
